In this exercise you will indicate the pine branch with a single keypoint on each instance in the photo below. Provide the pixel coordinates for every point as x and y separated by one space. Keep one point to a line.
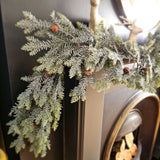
35 45
79 92
38 108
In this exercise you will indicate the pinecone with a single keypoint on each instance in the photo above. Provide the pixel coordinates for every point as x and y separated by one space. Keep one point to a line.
34 124
54 28
48 75
144 69
126 70
88 72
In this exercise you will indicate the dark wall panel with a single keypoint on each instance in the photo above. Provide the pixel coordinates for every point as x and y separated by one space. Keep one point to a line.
5 94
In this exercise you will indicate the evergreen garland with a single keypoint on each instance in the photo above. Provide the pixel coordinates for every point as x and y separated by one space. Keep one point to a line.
85 53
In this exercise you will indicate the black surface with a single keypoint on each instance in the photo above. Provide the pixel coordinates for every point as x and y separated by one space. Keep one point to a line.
70 121
5 95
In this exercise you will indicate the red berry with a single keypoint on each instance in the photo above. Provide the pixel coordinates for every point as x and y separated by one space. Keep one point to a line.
54 28
34 125
126 70
88 72
144 69
48 75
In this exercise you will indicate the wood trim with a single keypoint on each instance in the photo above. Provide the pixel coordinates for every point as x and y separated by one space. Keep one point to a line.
118 8
2 145
80 132
156 130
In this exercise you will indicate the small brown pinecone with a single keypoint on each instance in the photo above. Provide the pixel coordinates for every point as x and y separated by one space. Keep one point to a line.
54 28
48 75
144 69
126 70
88 72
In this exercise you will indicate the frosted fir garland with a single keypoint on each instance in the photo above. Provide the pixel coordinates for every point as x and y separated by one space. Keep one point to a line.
85 53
